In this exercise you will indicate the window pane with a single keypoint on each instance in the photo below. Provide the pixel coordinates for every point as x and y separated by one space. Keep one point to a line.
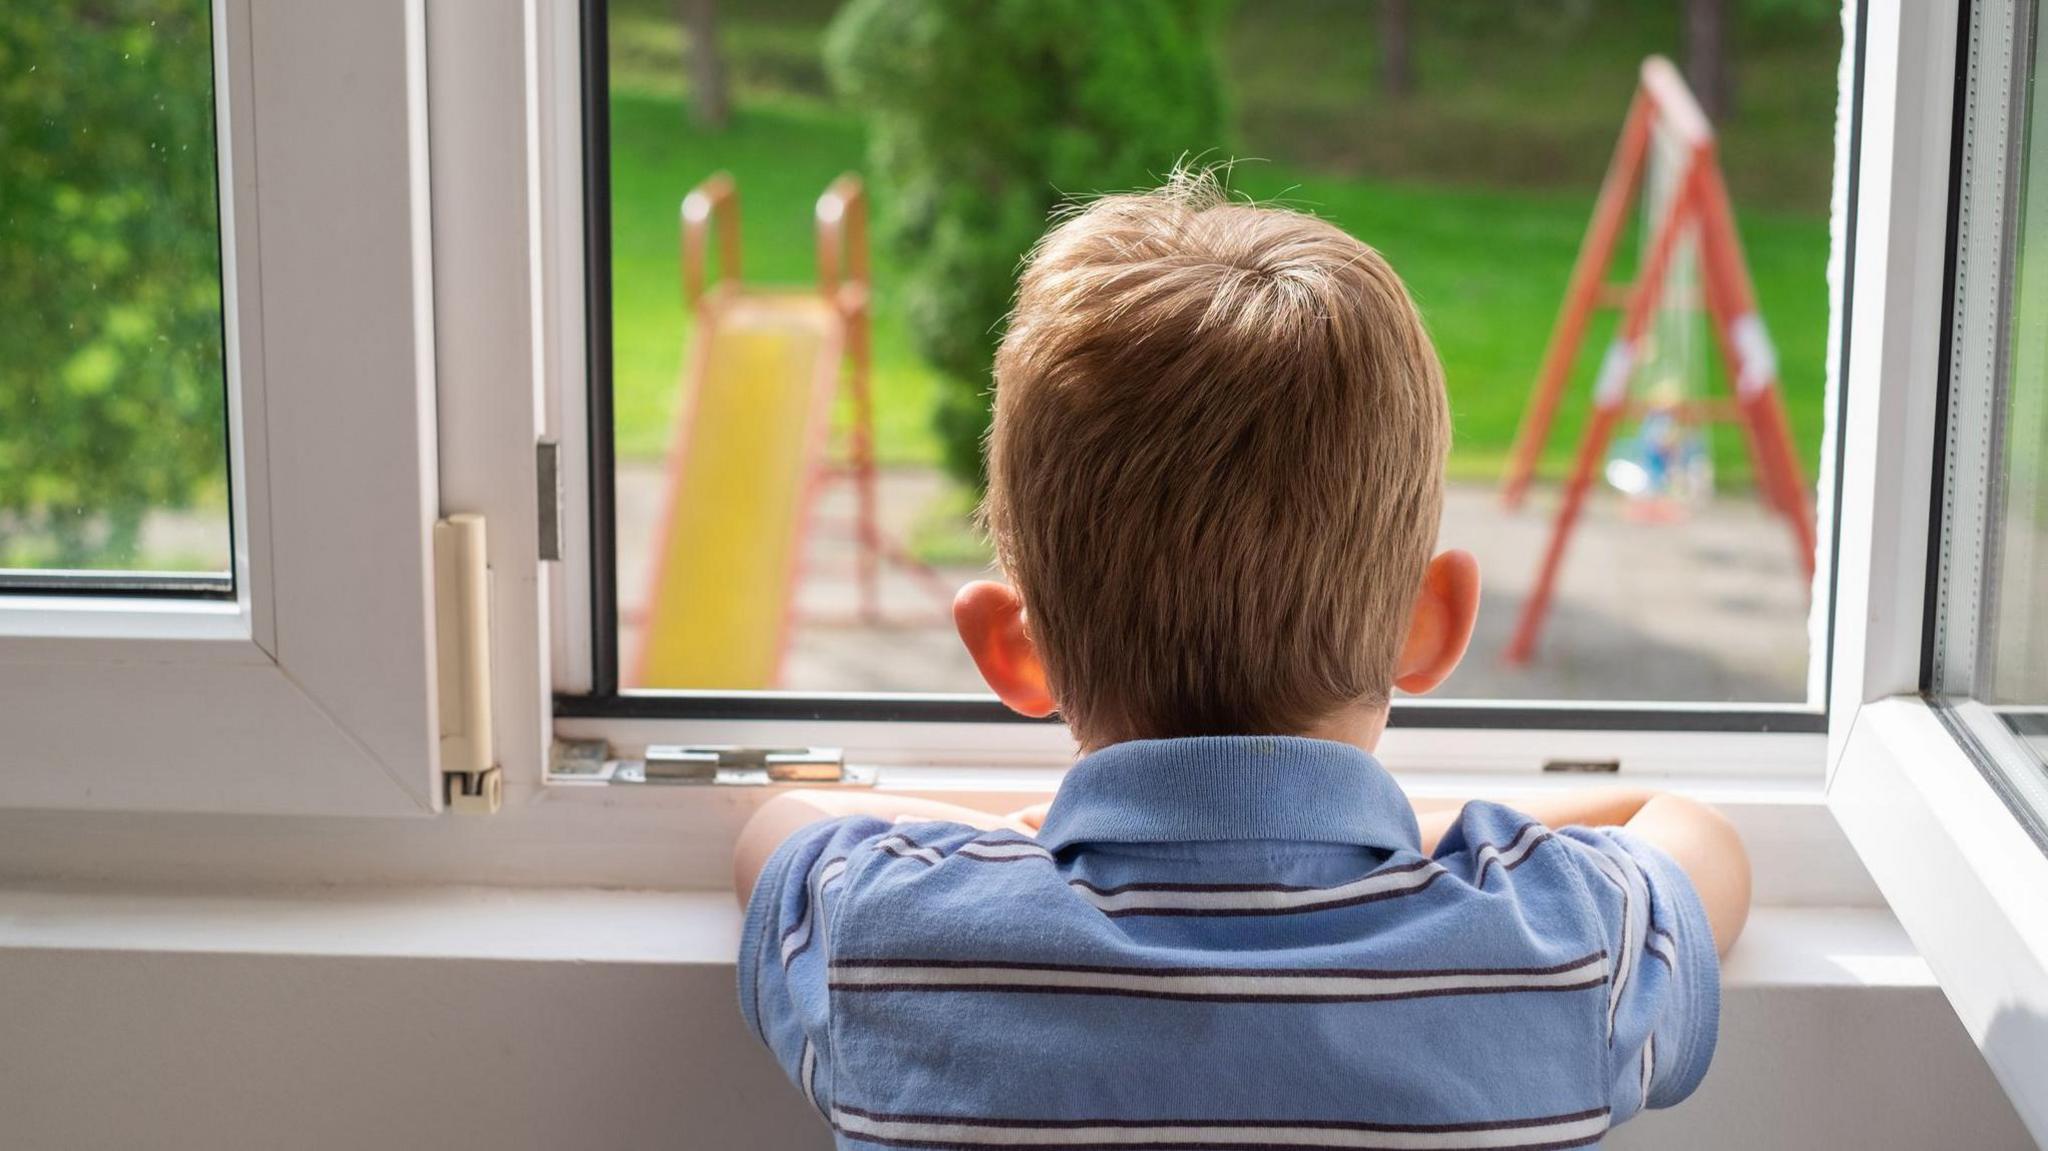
2016 622
113 452
2013 653
1465 139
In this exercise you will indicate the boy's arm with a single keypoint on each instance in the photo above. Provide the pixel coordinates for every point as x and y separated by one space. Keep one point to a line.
790 812
1696 837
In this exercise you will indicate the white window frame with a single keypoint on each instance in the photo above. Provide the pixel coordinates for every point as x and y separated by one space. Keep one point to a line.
313 690
1662 738
510 304
1963 876
501 101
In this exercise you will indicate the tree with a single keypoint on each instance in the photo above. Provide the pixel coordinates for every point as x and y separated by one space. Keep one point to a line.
1397 49
1707 67
710 90
112 389
981 117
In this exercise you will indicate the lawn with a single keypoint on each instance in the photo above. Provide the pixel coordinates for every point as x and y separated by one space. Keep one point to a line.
1486 262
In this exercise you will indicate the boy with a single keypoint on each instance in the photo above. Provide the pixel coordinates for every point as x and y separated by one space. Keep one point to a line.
1215 480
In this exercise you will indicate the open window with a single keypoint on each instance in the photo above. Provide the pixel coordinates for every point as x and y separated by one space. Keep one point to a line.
1936 768
216 426
258 637
793 273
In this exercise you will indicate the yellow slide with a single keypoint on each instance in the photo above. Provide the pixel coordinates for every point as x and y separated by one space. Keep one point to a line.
751 452
749 440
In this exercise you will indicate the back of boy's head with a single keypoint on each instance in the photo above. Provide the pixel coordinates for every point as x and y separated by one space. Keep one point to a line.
1216 470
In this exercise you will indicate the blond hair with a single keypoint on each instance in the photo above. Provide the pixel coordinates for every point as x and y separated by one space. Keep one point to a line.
1216 468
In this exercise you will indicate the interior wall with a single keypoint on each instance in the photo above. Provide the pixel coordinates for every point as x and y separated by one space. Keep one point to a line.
127 1049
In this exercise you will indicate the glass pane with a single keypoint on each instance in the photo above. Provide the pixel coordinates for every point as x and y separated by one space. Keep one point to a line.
113 447
1465 139
2012 673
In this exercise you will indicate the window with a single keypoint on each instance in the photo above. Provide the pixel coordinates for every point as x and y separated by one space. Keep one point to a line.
380 372
113 413
1988 639
1937 690
795 285
216 408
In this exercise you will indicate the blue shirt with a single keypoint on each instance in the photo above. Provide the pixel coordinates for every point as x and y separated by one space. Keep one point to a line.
1229 943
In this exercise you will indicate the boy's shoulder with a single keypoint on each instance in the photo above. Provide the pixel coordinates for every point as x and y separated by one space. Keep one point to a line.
1503 877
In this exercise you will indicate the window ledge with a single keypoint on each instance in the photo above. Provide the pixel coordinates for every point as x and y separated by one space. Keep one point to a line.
596 1018
1783 947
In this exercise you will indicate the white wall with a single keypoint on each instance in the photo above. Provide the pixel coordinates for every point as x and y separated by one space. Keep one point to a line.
119 1047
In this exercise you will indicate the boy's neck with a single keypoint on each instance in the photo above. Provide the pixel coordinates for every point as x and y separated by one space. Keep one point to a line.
1358 725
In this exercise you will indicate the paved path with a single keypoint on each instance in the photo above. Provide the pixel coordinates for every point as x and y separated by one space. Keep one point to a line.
1710 608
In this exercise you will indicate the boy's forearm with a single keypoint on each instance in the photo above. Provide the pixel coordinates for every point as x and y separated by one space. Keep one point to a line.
1584 807
792 811
1588 807
1706 847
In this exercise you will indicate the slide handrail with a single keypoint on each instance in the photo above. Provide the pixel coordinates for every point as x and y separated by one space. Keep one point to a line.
842 222
712 206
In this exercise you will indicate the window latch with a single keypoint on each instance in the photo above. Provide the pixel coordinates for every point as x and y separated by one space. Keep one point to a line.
718 765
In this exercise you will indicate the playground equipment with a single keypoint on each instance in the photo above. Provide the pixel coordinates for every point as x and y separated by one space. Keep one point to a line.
754 448
1667 135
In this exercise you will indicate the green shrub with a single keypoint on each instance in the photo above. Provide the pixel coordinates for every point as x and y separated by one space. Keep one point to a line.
984 116
111 389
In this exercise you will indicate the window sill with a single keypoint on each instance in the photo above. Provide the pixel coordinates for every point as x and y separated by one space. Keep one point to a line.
525 1018
665 838
1783 947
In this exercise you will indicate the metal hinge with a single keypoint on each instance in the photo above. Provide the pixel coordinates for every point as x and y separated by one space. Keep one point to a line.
547 459
724 765
470 779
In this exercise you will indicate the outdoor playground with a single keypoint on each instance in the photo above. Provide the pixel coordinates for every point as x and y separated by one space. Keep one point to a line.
1477 181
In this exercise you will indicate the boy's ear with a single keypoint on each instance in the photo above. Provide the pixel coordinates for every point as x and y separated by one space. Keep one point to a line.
990 617
1445 611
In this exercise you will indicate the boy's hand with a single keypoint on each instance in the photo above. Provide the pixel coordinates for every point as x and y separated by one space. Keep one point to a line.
1032 817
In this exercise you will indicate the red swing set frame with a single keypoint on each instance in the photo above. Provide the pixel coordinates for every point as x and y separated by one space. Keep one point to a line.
1699 203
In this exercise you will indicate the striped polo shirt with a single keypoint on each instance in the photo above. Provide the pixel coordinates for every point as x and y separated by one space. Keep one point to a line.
1229 943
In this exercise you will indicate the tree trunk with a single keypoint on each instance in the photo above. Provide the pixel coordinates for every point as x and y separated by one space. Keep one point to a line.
711 101
1397 50
1707 67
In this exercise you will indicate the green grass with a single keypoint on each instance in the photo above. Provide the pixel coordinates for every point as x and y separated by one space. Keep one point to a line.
783 157
1522 95
1488 270
1486 262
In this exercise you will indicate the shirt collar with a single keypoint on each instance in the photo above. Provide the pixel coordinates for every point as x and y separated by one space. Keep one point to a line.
1215 788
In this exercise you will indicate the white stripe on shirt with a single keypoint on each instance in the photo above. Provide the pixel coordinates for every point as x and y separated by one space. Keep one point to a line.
1528 839
1190 898
1238 984
1576 1130
1624 966
1003 851
799 936
901 845
1649 1067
